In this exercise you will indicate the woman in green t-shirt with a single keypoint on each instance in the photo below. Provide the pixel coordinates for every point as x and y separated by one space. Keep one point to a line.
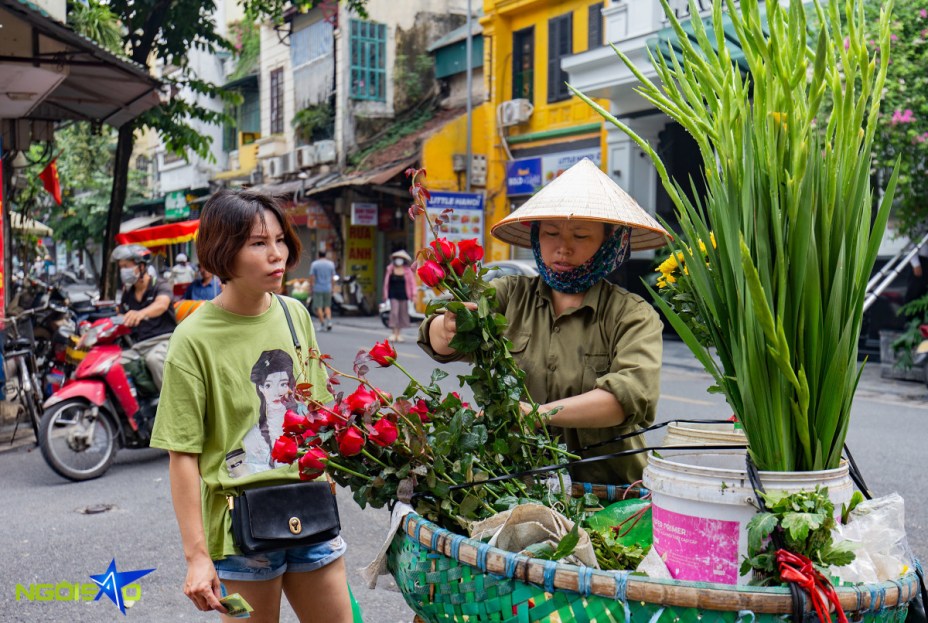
591 351
228 378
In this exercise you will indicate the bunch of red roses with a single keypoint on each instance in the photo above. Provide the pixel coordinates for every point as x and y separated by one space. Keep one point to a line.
443 256
426 446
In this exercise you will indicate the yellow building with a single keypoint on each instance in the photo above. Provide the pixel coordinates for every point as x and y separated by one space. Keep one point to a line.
529 128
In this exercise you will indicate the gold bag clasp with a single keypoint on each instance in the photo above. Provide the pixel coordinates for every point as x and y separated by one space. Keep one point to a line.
295 525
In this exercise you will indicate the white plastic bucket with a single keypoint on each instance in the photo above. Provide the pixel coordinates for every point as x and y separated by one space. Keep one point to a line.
702 503
698 434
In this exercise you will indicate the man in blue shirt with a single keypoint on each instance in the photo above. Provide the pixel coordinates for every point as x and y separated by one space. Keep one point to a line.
206 288
321 273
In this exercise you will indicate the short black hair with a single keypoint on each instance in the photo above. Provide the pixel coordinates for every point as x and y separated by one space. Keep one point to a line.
225 226
321 253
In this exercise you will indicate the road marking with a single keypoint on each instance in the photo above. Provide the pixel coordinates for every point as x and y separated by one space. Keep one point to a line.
691 401
910 405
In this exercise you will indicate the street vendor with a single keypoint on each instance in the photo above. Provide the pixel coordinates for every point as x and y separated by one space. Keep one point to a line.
591 351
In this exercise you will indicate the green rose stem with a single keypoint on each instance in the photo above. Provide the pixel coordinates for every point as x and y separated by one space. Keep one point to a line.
374 458
341 468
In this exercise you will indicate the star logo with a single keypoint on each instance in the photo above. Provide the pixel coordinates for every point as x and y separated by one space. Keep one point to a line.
111 583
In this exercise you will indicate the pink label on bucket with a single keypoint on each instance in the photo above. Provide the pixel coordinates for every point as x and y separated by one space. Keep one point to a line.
696 548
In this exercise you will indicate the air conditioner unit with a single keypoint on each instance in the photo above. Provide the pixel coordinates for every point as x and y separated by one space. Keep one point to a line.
513 112
325 151
288 163
305 156
273 167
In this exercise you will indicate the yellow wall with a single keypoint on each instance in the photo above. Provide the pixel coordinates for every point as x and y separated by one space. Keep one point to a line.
502 18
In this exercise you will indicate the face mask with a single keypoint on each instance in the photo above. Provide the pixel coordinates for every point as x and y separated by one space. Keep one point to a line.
397 262
128 276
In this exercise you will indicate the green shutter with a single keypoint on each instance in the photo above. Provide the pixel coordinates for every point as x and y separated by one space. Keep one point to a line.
368 61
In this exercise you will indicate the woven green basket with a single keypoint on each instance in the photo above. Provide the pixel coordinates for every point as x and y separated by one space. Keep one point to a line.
448 577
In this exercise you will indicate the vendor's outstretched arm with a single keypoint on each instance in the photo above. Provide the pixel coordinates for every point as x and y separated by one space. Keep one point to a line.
596 408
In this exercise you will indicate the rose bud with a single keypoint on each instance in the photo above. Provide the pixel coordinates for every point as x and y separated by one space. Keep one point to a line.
421 409
383 354
350 442
443 248
311 463
470 251
285 449
431 273
294 423
361 400
386 432
458 396
458 267
385 397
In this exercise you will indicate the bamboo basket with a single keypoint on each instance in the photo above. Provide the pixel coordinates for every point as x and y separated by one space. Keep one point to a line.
448 577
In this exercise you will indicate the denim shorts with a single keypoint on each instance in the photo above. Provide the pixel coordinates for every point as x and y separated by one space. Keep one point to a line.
269 565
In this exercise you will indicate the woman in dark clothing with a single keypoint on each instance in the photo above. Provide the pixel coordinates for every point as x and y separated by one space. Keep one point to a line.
399 287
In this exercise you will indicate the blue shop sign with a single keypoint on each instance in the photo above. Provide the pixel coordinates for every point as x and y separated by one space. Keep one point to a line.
523 177
456 201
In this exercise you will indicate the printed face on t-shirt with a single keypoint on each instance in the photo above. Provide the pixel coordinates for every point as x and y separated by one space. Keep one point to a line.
274 389
274 383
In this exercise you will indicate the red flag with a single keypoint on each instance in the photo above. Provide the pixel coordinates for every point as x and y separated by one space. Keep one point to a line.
49 177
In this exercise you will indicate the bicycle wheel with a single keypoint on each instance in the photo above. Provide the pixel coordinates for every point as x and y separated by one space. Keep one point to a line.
76 443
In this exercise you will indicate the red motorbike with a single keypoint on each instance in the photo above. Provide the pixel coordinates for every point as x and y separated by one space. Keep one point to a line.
98 411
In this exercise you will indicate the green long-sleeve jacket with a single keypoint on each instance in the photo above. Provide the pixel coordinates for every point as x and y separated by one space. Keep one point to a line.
612 342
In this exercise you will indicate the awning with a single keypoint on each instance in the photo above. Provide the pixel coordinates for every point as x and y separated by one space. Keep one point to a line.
91 84
138 223
666 42
377 176
160 235
27 225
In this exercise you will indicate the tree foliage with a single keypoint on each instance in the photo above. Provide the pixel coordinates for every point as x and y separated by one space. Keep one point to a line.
903 122
85 170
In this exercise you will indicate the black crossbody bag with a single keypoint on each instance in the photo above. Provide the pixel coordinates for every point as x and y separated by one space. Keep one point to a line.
284 516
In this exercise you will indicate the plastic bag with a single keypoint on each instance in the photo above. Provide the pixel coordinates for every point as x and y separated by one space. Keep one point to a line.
877 529
530 524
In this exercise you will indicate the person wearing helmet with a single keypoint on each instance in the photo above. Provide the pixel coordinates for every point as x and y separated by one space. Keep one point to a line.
182 274
144 304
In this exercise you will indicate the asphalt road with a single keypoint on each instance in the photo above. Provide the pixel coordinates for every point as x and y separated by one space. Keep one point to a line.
58 533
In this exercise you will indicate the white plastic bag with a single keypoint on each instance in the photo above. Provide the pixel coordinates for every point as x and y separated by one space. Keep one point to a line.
877 530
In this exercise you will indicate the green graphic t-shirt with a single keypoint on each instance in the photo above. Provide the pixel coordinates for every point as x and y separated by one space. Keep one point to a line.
227 381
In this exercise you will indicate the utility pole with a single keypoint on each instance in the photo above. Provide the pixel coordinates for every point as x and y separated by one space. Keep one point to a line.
470 81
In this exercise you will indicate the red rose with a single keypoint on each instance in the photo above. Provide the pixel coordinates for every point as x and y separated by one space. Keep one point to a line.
381 352
310 438
361 400
312 464
444 249
431 273
470 251
458 266
350 442
284 450
385 398
294 423
386 432
458 396
421 409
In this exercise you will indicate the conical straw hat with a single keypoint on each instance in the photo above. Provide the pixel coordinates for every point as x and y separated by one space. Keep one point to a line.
582 192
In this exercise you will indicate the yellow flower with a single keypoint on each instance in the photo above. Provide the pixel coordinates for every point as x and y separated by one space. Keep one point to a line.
669 265
712 238
780 118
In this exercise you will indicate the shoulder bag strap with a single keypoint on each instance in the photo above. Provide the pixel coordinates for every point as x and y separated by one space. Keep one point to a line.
296 340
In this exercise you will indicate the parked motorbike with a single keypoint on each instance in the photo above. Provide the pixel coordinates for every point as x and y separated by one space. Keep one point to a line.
920 356
88 419
348 297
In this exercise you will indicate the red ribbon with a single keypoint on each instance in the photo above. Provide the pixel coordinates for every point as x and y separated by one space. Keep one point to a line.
799 570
